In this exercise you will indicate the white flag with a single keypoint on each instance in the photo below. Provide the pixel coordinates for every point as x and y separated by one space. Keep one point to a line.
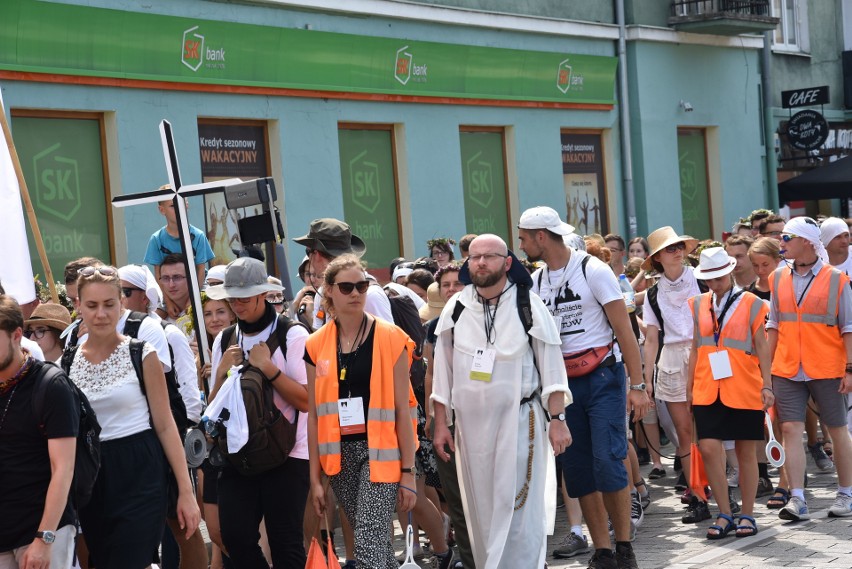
16 270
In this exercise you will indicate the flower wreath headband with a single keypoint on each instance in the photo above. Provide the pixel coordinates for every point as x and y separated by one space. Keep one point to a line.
442 242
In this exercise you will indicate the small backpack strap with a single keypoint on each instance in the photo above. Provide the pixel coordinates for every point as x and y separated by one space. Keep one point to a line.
136 347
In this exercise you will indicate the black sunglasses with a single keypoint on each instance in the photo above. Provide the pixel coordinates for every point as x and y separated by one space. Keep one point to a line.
347 288
128 290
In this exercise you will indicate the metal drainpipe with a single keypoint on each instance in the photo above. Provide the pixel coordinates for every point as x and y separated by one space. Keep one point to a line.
624 121
768 124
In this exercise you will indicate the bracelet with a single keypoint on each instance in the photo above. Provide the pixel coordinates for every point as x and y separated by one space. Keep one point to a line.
274 377
409 489
769 389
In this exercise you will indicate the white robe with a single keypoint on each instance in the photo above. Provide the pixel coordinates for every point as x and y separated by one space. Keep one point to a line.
492 428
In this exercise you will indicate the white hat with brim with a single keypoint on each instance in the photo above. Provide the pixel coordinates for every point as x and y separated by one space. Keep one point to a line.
662 238
714 263
244 277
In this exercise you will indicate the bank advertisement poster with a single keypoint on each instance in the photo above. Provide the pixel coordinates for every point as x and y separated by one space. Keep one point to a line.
583 178
229 150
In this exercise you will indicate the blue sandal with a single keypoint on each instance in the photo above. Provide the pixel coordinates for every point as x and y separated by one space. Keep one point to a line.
722 531
778 499
749 530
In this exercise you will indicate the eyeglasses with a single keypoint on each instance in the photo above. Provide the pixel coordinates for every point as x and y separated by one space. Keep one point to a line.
128 291
787 237
440 253
347 288
487 257
676 247
275 298
89 271
771 233
37 333
172 278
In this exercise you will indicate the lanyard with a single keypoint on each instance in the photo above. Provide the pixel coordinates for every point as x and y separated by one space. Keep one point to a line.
717 324
807 286
491 316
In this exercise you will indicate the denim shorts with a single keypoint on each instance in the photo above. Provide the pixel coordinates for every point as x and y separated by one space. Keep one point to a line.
594 461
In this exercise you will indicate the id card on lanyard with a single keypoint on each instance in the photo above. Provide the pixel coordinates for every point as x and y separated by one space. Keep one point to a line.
720 361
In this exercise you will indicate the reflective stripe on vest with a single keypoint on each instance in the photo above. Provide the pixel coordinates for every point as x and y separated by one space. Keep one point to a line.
388 415
329 448
829 318
329 408
384 454
745 345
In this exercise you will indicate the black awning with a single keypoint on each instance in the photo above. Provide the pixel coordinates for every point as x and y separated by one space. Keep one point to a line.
831 181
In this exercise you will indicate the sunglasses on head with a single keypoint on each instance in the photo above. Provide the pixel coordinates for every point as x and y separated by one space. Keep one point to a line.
347 288
676 247
787 237
89 271
127 291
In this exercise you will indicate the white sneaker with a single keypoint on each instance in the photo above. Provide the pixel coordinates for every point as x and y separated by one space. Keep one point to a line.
795 510
842 506
733 477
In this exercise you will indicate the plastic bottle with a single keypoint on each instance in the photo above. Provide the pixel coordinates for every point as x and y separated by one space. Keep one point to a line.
627 293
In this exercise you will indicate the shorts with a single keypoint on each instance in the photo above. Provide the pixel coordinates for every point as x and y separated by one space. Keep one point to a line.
61 552
672 372
791 399
594 461
720 422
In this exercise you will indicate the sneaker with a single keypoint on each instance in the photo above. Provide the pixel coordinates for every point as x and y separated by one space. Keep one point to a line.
681 485
733 477
686 497
795 510
458 565
637 513
603 561
443 561
611 530
625 558
572 545
735 507
657 473
764 487
842 506
645 499
697 511
821 459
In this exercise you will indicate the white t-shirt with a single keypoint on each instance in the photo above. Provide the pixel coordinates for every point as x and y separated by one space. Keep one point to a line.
576 302
293 367
112 388
846 267
673 296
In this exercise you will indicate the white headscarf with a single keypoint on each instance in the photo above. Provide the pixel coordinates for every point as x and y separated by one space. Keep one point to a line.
831 228
141 277
807 228
402 290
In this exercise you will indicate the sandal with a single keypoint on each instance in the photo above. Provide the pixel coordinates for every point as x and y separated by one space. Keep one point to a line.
749 529
722 532
779 499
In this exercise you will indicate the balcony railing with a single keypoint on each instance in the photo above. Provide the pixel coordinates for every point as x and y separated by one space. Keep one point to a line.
725 17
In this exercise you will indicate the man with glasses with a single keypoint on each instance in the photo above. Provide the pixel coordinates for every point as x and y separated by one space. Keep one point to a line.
615 243
499 386
175 286
772 226
810 336
277 495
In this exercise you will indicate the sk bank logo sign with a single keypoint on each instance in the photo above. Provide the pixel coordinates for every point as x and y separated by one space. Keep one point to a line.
566 78
479 180
57 183
364 183
192 50
405 69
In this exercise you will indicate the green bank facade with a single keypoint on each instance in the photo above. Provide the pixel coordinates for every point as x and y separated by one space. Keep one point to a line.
410 121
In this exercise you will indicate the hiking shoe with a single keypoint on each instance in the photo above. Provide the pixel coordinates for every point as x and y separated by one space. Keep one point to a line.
637 513
681 485
657 473
625 558
842 506
733 477
795 510
697 511
600 560
444 561
821 459
764 487
572 545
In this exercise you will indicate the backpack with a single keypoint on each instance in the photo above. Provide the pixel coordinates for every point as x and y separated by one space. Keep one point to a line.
271 436
87 458
407 317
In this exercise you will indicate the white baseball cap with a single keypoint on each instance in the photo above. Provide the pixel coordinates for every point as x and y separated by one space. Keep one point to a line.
543 217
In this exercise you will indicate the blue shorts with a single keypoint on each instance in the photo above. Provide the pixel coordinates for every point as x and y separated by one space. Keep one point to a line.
594 461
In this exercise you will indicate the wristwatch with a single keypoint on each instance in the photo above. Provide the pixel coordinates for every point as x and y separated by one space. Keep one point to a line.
407 470
46 536
560 416
637 386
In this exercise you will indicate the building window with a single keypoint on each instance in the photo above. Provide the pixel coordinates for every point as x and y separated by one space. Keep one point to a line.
584 181
483 158
694 184
792 31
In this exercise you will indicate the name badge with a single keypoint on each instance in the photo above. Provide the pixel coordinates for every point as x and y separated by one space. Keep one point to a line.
351 414
720 365
483 364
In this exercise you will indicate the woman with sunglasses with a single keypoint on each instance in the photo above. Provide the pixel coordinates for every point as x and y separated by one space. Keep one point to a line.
123 522
667 315
360 403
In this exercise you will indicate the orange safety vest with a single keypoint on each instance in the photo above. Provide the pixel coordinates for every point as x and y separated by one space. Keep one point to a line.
384 454
808 335
742 389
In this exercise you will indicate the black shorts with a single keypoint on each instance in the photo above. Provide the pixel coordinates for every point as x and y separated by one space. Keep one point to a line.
718 421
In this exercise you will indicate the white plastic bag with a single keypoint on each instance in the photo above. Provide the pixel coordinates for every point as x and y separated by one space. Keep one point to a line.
230 397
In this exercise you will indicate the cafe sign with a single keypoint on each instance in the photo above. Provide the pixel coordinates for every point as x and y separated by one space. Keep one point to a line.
807 130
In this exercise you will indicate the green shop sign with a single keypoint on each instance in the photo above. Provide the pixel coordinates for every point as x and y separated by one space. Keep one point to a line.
484 184
44 37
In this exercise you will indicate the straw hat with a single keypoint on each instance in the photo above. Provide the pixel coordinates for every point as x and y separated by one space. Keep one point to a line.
434 306
51 315
662 238
714 263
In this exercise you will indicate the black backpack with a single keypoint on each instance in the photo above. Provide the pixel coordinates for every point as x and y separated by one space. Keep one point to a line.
406 317
87 461
271 436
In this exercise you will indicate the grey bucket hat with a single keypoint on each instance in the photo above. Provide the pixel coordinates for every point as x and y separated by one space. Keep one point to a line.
244 277
333 237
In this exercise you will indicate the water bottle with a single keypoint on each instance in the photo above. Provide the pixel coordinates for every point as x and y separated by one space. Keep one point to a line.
627 293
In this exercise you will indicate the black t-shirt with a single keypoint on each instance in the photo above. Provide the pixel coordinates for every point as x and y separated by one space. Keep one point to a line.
359 368
763 295
24 460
